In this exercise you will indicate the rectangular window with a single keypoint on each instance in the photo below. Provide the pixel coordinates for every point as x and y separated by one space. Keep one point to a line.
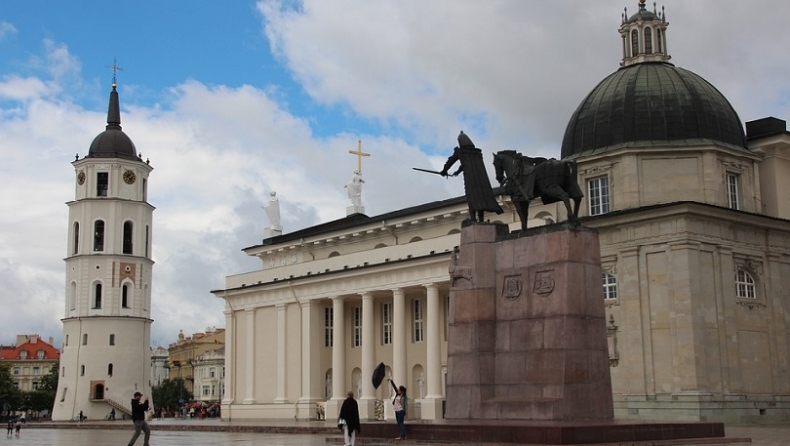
102 182
609 286
35 385
36 370
357 339
417 313
328 326
206 390
212 372
598 191
16 370
732 191
386 324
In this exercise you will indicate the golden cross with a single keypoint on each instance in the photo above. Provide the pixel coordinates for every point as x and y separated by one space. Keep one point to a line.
359 153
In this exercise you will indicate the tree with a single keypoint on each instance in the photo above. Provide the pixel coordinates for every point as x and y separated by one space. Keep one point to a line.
43 398
10 396
49 382
167 394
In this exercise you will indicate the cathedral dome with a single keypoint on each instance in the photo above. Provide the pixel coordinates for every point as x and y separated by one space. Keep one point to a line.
650 102
113 142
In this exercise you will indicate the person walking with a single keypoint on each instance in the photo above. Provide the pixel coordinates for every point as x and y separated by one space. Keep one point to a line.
349 412
138 417
112 414
17 426
399 404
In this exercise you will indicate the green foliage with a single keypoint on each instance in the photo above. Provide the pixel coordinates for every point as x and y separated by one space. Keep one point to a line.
38 400
49 382
167 394
10 396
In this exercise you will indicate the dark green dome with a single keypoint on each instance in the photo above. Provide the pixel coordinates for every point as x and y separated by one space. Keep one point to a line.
652 104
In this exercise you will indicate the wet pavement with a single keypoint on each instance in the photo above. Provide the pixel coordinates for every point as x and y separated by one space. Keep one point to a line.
275 433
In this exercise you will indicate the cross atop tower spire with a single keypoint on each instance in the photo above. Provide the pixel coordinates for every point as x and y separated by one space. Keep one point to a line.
115 69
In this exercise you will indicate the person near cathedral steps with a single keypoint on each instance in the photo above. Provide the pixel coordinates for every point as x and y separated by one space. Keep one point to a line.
479 194
399 404
138 417
349 413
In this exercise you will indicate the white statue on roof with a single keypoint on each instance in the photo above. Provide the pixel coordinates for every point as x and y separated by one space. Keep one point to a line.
273 212
354 190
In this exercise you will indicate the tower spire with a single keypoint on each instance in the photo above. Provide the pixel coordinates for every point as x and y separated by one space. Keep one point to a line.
114 109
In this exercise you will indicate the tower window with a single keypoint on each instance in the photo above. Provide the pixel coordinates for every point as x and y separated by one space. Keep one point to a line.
598 189
634 43
659 43
125 296
82 370
98 235
109 369
112 339
102 184
97 296
127 237
146 241
648 40
76 248
733 180
609 286
73 296
85 339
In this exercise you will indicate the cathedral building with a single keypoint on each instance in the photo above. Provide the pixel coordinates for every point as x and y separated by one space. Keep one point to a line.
107 310
693 215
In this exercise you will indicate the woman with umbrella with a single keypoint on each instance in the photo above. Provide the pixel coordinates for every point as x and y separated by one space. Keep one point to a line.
399 404
348 420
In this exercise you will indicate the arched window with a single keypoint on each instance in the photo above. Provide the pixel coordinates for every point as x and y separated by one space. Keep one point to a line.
127 237
112 339
85 339
609 286
659 43
98 235
415 239
380 245
125 295
109 369
744 285
333 254
634 43
97 296
76 249
648 40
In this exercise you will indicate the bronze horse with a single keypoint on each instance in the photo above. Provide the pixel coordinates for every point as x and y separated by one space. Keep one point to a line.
525 179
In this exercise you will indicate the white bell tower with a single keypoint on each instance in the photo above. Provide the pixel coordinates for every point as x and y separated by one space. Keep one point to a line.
107 312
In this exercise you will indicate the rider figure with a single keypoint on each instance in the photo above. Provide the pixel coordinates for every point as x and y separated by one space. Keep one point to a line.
479 195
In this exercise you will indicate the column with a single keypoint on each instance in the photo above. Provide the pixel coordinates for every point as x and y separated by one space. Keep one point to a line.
230 382
281 345
338 359
431 406
311 329
400 329
367 405
249 370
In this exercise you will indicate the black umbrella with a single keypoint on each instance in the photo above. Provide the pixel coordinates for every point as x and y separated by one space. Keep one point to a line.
378 375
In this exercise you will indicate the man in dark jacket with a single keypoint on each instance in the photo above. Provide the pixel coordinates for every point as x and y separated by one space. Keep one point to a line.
349 412
138 416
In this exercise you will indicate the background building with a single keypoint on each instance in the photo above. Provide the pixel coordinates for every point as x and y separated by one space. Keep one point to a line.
159 369
210 376
183 354
107 307
30 358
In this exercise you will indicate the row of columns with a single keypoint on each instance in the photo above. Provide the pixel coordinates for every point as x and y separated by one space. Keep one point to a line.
400 332
309 333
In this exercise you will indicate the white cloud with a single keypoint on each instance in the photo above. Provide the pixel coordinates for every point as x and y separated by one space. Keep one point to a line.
6 29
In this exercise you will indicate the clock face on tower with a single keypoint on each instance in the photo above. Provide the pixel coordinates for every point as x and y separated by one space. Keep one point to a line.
129 177
81 178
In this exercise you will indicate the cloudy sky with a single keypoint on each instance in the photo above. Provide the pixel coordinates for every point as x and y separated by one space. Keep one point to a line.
232 100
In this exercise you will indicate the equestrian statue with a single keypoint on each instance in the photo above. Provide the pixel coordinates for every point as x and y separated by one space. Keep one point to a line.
525 178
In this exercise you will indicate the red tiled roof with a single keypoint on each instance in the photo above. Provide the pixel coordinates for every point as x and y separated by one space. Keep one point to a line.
10 353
